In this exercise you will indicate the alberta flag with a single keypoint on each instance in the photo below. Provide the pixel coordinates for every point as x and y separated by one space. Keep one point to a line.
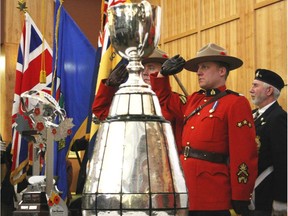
34 55
74 78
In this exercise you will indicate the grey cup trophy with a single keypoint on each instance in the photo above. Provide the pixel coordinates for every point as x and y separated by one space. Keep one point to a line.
135 168
134 33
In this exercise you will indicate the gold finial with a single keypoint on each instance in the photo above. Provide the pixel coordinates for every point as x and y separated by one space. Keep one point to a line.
22 6
42 78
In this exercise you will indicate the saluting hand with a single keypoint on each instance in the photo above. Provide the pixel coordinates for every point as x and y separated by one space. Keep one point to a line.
118 76
173 65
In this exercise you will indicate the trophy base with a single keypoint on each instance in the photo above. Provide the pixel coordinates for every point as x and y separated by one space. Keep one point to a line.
34 203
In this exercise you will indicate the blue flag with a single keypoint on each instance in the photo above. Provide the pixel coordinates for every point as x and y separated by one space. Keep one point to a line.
74 76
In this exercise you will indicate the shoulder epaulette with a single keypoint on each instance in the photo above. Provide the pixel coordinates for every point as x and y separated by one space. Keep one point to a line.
201 91
233 92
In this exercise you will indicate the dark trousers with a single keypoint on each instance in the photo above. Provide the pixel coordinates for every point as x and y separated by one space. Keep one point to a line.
210 213
259 213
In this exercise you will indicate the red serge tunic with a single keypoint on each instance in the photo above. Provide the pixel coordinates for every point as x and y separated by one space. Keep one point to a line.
103 100
229 130
176 122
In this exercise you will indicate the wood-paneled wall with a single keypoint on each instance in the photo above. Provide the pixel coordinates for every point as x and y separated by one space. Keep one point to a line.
255 31
13 19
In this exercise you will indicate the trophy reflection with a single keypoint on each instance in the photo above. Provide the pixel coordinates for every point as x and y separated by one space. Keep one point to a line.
135 168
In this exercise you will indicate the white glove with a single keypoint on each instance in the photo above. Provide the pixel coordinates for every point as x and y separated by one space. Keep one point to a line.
279 208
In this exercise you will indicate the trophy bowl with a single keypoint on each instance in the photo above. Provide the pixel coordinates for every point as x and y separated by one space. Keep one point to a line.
134 29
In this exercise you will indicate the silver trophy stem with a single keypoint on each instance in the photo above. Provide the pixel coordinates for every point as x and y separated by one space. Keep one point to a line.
135 69
36 161
49 163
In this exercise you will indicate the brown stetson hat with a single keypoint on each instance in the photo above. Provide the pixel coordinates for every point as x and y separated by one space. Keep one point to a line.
212 53
158 56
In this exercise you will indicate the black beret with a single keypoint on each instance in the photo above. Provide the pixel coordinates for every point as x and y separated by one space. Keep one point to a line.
269 77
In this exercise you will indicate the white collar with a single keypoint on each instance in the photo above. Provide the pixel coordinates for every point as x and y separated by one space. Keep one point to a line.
263 109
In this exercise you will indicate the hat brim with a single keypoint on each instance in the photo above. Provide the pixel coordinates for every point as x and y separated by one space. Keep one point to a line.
233 62
154 60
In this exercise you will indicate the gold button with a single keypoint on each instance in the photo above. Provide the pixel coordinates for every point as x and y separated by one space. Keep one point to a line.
198 113
210 116
192 127
205 100
188 143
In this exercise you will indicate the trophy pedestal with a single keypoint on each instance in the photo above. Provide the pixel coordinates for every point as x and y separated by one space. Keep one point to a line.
34 203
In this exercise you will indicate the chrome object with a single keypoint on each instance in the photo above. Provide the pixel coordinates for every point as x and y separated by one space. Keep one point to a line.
135 168
48 123
186 151
134 29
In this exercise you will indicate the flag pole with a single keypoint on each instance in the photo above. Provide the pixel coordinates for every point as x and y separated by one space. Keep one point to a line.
42 78
180 84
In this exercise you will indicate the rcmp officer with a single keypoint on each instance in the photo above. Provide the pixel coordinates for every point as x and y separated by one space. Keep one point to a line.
219 155
270 194
109 86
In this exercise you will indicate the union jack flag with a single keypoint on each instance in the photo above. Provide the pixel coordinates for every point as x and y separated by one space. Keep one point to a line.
34 55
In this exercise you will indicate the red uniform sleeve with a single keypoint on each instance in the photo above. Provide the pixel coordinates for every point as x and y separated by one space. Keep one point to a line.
103 100
162 88
242 149
167 98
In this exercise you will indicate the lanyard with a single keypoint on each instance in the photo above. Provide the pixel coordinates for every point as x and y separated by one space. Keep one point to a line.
215 98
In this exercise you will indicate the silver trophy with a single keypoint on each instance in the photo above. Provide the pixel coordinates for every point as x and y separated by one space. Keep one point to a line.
135 168
134 33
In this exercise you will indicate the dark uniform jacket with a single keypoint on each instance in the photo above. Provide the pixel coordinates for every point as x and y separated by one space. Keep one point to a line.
228 130
271 131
